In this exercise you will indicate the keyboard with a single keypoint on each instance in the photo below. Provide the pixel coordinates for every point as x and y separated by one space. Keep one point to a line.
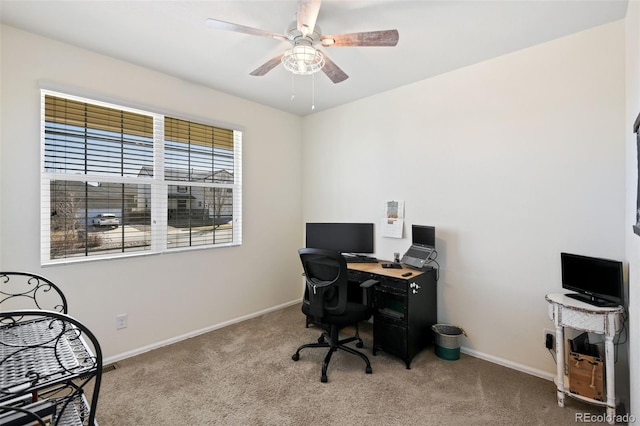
360 259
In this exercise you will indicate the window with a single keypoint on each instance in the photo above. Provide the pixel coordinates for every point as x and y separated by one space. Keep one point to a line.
118 181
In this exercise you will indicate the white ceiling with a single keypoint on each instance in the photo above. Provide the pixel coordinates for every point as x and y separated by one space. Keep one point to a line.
435 37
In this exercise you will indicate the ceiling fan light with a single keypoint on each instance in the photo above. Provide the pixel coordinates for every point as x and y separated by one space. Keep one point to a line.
303 60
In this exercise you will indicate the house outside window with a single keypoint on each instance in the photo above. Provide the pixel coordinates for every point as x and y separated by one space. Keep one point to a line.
118 181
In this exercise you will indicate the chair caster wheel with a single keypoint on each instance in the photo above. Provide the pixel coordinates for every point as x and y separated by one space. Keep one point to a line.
295 357
323 379
368 370
321 339
360 345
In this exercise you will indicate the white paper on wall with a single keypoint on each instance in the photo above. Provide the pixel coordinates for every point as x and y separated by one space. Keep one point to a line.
393 220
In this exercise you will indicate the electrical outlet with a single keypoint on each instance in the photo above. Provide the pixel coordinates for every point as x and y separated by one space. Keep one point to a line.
121 321
549 337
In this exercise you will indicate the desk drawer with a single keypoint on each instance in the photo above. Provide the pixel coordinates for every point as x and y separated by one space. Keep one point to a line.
397 284
390 336
391 304
393 284
584 320
359 276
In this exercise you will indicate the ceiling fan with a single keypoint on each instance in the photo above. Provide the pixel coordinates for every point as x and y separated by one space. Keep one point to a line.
303 34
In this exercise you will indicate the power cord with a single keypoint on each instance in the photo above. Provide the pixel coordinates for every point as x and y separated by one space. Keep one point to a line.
432 259
624 330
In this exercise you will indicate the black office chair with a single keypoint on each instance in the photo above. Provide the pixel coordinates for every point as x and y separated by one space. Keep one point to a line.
326 304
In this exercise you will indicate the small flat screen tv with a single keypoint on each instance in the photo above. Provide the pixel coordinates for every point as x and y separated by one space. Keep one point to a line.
595 280
346 238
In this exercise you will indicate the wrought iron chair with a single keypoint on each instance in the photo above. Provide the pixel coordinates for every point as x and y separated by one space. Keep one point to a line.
24 290
326 303
50 363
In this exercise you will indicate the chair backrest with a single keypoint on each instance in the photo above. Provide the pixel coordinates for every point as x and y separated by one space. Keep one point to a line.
326 281
24 290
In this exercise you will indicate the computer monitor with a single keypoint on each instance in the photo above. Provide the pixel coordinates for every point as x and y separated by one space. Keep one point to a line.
341 237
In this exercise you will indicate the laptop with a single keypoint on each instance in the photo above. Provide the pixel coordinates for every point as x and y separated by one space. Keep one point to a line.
423 242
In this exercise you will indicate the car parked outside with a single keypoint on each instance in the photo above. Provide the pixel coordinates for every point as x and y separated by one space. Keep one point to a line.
106 219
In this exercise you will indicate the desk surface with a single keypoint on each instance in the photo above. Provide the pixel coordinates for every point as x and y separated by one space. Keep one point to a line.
376 268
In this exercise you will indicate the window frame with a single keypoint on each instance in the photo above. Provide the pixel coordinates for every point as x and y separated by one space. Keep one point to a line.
158 187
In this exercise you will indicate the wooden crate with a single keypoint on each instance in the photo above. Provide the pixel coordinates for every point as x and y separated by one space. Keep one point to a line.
586 376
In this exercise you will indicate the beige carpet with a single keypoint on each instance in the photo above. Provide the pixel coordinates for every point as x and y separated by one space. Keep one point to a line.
244 375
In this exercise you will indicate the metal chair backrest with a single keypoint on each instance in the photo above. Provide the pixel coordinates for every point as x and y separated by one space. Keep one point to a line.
24 290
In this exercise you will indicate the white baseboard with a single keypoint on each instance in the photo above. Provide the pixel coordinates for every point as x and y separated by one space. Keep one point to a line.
509 364
157 345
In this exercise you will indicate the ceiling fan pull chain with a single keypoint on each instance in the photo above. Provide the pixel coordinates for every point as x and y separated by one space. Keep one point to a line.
313 92
293 89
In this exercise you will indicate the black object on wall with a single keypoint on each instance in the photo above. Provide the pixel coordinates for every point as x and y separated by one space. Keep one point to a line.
636 125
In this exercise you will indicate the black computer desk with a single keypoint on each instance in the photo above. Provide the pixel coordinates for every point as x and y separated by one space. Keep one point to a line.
405 307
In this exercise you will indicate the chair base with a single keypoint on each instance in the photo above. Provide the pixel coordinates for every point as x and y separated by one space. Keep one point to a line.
326 340
359 344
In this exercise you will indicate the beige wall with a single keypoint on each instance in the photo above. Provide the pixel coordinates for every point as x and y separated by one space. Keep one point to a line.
513 160
165 296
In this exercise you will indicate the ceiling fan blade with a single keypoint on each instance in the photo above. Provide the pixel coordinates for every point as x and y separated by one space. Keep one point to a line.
228 26
333 71
370 38
267 66
307 14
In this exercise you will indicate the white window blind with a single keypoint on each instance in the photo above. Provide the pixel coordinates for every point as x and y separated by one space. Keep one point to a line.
118 181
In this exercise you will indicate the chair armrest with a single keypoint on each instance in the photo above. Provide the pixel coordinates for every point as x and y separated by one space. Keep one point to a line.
367 288
369 283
